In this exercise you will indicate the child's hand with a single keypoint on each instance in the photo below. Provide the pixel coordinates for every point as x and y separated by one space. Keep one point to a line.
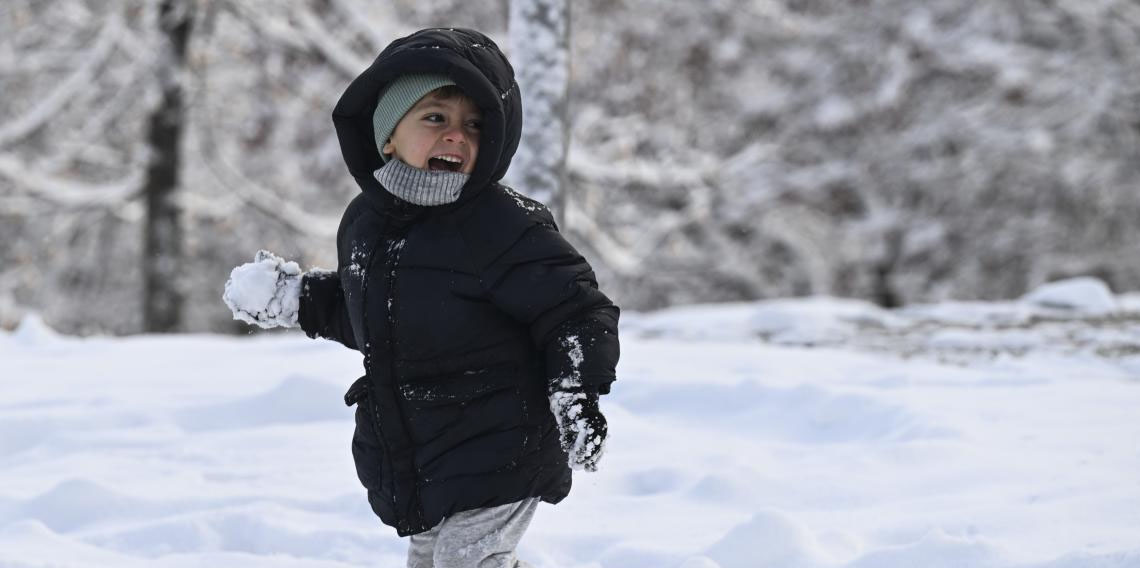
582 426
265 292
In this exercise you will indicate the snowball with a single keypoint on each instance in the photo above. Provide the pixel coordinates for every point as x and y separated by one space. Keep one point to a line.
252 284
265 292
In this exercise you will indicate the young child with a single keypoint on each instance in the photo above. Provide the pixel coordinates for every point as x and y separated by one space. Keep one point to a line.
485 340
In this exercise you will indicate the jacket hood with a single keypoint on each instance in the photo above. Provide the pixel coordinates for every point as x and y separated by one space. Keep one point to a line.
476 65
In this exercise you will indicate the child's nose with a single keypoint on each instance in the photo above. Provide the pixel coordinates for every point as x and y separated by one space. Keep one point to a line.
455 134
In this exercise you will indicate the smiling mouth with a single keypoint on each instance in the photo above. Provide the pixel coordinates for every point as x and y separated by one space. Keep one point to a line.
447 163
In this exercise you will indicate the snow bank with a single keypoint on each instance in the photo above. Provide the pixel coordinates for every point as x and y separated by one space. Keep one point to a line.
1055 317
1082 295
802 321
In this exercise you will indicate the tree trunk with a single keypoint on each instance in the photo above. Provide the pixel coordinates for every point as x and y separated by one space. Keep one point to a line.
540 52
162 250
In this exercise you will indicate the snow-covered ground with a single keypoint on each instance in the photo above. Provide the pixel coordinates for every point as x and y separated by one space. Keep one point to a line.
794 433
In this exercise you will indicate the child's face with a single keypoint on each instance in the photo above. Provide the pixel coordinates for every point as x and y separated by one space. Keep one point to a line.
438 134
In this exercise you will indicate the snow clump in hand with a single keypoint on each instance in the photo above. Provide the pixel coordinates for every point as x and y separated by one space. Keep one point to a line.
265 292
580 422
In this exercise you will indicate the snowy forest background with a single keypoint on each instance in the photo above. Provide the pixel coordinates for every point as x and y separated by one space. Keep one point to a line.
724 150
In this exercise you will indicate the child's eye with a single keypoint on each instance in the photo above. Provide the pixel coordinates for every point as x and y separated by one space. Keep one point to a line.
475 124
434 117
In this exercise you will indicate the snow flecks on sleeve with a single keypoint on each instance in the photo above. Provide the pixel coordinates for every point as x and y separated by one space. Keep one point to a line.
356 260
576 358
573 347
421 393
575 413
396 245
566 396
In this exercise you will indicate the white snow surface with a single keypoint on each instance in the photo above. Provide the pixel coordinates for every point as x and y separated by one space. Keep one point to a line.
795 433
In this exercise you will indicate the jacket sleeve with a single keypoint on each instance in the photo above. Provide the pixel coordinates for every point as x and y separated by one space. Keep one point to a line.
544 283
323 312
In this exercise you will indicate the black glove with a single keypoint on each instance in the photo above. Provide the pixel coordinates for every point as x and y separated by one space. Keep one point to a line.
357 392
581 425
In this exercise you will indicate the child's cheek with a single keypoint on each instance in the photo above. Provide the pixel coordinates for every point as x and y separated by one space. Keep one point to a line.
470 165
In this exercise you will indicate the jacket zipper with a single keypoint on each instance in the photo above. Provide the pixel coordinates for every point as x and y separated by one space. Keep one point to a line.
368 368
395 249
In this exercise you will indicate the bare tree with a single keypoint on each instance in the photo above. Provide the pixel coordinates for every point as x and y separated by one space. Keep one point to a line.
162 249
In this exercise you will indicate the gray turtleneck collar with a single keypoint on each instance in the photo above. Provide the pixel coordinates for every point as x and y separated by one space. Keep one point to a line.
422 187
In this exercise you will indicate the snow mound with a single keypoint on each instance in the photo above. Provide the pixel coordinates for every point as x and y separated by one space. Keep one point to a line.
803 414
935 550
710 322
1129 302
1086 560
968 314
1085 295
699 562
769 538
76 503
294 400
818 320
30 539
33 331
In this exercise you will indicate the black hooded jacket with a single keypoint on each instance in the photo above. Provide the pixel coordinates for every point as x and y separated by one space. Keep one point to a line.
462 311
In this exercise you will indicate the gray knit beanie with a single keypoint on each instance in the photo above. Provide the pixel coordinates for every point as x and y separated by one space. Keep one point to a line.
400 96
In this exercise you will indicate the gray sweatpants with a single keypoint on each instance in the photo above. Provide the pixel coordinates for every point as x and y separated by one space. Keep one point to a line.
480 538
